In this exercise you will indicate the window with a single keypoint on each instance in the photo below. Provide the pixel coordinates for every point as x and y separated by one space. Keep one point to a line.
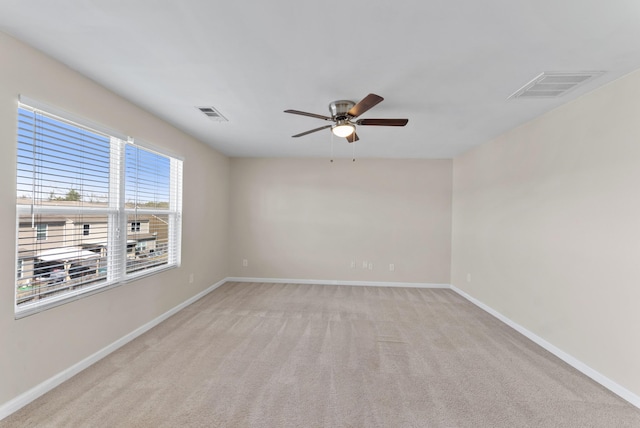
41 232
77 190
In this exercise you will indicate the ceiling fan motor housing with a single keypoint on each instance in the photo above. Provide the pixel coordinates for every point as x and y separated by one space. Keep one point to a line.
340 108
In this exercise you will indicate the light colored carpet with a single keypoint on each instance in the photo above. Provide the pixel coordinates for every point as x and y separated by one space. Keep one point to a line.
285 355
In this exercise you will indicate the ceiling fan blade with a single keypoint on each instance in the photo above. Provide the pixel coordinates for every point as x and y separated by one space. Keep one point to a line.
313 130
365 104
352 138
304 113
382 122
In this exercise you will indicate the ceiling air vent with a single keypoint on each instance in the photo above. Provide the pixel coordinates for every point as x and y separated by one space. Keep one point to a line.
554 84
212 114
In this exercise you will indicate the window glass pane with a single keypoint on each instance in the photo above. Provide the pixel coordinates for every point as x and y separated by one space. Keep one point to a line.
41 231
148 199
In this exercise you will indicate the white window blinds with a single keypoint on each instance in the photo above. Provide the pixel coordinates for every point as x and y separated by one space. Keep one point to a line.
79 191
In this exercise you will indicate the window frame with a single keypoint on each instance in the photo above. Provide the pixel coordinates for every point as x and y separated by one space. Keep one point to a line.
116 213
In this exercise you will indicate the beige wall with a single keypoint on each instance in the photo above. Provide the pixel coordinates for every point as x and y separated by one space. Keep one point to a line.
546 220
309 218
40 346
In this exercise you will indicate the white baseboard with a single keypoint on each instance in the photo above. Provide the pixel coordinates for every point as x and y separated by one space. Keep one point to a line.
574 362
339 282
23 399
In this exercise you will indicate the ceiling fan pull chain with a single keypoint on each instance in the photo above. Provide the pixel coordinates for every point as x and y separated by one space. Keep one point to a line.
354 151
332 147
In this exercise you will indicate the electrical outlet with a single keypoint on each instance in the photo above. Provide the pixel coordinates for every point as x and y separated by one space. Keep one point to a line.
392 267
468 277
245 262
191 278
353 264
365 265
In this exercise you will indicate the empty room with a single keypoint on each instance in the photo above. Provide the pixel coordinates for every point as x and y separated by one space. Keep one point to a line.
334 214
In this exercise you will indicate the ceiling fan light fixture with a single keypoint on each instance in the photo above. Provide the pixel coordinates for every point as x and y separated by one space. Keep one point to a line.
343 129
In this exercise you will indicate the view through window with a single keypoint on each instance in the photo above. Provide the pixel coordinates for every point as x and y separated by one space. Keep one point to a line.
93 210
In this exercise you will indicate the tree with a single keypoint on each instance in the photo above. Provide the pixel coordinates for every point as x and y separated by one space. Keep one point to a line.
72 195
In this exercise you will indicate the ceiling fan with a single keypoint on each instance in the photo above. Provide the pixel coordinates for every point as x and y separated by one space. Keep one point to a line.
343 113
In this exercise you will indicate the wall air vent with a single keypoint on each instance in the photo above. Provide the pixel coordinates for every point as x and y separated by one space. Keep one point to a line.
552 84
212 114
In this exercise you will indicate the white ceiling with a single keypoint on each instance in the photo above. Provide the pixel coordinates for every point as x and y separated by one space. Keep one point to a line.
447 65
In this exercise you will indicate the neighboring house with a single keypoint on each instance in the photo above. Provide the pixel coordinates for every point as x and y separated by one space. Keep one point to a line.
61 251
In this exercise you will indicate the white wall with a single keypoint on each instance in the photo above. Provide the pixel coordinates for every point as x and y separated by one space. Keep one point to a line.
309 218
40 346
546 220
